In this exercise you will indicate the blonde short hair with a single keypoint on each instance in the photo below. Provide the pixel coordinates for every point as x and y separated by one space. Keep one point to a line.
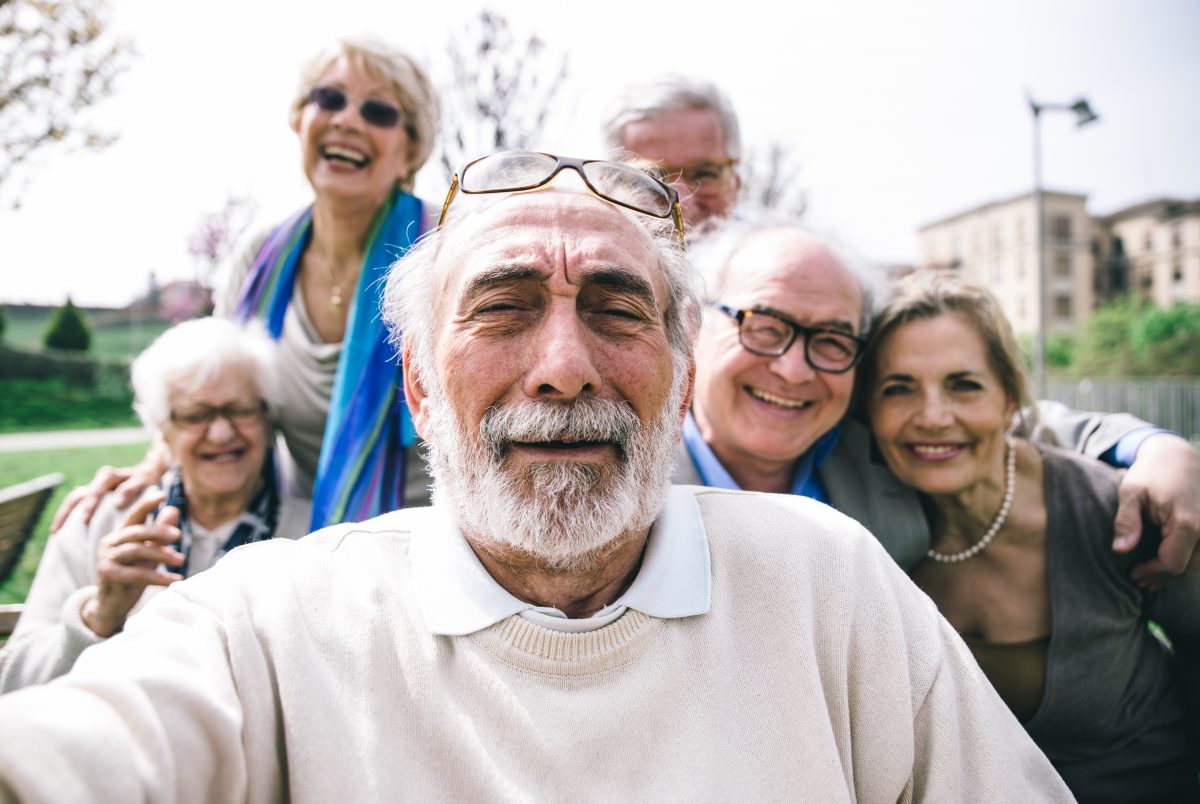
419 101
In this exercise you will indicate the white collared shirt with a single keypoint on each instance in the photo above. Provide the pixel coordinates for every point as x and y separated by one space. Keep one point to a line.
457 596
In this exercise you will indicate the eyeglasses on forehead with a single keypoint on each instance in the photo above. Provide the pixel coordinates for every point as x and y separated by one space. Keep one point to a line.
771 335
516 171
375 112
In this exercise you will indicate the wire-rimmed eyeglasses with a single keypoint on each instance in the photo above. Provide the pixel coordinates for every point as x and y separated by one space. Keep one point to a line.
514 171
698 175
771 335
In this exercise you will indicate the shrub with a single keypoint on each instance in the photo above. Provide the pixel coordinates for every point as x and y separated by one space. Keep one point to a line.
68 330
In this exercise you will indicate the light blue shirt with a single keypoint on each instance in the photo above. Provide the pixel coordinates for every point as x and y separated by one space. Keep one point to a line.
457 596
806 482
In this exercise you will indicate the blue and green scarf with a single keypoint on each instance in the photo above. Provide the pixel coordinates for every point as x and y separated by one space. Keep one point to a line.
360 473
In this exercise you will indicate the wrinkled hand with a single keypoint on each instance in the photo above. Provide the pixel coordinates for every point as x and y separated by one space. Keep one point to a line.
127 561
125 485
1163 485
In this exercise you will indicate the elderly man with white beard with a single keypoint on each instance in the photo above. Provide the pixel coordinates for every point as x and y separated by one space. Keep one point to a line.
560 624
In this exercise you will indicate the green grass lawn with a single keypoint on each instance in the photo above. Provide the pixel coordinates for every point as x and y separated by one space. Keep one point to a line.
119 339
78 466
33 405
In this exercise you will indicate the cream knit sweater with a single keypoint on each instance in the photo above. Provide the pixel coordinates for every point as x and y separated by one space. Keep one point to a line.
303 671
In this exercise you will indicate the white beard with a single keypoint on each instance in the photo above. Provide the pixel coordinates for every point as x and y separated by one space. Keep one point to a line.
566 515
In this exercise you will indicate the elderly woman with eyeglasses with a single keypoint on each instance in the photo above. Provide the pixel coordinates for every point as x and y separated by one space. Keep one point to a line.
207 388
366 116
1021 561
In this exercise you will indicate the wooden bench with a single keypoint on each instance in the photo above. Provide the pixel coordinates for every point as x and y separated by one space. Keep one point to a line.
20 507
9 614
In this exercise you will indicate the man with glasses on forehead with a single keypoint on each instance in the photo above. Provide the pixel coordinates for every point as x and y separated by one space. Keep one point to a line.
561 624
783 330
688 129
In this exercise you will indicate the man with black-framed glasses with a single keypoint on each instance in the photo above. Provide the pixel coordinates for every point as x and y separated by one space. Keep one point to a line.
783 330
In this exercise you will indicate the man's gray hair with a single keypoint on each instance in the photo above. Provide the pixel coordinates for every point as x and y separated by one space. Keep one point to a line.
712 254
192 354
416 290
670 93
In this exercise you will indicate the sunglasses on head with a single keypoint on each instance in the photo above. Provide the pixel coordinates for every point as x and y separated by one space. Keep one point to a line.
375 112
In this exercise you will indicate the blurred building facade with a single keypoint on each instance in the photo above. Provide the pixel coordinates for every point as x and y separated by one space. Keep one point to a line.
1151 249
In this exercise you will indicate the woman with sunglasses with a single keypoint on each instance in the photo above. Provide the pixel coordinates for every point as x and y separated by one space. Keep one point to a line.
366 116
207 388
1021 561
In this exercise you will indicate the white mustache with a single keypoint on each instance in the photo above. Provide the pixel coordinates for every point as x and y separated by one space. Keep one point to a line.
584 419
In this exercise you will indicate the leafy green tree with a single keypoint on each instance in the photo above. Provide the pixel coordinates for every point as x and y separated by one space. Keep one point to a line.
1060 351
1106 346
1133 338
3 322
68 330
1167 342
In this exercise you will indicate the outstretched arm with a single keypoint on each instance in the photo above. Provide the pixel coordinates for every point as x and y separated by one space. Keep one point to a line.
152 714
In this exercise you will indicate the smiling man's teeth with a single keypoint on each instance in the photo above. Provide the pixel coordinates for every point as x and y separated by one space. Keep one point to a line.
356 158
778 401
932 449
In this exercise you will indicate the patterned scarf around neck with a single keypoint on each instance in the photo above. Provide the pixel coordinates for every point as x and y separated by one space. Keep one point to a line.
256 523
360 473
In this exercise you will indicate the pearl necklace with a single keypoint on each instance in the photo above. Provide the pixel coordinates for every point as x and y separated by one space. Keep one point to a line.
1010 487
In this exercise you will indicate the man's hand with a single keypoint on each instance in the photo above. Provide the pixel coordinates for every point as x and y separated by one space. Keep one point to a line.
125 484
127 561
1163 484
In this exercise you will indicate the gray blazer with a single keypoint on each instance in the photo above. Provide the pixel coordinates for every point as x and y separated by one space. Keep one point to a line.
861 486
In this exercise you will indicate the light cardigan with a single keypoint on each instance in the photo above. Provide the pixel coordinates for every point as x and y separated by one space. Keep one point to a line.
304 671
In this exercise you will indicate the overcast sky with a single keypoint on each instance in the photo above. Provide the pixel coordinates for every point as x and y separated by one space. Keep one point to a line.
899 112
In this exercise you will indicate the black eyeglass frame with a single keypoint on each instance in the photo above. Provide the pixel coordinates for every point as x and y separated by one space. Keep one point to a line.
368 108
578 165
798 329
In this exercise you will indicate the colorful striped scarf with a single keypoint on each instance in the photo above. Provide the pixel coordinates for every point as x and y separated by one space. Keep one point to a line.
360 473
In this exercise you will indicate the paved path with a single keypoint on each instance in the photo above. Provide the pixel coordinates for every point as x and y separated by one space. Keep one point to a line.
63 439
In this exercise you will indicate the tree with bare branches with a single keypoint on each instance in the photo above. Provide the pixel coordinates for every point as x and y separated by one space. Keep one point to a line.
500 91
771 180
57 59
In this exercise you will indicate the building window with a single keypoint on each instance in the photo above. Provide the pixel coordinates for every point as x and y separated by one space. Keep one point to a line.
1062 266
1177 273
1062 307
1148 241
1176 237
1060 227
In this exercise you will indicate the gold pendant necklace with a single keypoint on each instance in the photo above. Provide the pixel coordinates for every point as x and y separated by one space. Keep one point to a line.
335 288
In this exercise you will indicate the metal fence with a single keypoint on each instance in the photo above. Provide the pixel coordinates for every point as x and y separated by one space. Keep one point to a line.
1170 402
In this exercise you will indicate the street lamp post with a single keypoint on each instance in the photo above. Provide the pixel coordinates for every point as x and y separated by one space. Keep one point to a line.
1083 115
